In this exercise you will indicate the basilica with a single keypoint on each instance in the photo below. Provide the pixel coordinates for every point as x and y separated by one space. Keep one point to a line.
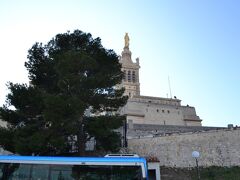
147 109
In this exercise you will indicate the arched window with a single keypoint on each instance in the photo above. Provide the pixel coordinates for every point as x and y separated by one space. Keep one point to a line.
124 75
129 76
133 76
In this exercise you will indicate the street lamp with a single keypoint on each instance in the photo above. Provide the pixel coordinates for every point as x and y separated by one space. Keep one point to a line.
196 154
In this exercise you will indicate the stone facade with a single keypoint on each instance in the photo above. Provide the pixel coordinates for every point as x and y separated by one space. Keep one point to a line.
216 147
159 111
151 110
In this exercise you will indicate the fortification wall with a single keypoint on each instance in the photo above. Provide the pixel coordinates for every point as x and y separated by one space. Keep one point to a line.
217 148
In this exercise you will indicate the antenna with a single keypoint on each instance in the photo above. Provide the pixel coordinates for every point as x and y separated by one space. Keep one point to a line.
169 87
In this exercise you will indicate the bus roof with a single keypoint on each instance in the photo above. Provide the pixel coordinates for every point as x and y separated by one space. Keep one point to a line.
72 159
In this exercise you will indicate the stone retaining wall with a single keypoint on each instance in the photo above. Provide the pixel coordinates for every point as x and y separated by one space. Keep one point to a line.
217 148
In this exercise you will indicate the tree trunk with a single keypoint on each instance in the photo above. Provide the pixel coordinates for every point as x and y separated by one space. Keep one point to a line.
81 139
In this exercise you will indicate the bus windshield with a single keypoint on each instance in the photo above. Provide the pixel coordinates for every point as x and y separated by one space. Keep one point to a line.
35 168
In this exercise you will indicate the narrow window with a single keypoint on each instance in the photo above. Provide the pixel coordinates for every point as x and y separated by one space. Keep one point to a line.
157 110
124 75
168 111
163 111
129 76
133 77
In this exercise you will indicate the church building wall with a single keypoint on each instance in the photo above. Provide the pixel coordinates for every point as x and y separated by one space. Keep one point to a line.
141 111
189 116
146 109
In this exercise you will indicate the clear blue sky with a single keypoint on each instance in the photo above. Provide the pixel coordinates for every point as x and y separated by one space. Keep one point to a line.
195 43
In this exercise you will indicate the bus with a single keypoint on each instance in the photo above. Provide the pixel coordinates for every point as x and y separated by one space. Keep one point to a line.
111 167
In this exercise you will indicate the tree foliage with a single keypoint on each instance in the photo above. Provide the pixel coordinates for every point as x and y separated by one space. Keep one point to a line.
71 98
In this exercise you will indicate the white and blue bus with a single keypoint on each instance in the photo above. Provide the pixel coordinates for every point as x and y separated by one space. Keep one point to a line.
72 168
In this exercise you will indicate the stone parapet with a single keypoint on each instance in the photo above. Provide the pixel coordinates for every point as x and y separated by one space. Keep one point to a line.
163 129
156 100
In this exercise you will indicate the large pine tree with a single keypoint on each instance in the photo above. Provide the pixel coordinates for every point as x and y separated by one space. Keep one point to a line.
71 77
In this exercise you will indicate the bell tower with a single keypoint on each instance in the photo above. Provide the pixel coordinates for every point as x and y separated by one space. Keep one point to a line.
131 71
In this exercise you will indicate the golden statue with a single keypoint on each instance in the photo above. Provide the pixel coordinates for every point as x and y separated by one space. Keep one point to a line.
126 38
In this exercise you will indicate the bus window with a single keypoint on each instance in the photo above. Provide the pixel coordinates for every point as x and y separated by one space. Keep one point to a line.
72 168
61 172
